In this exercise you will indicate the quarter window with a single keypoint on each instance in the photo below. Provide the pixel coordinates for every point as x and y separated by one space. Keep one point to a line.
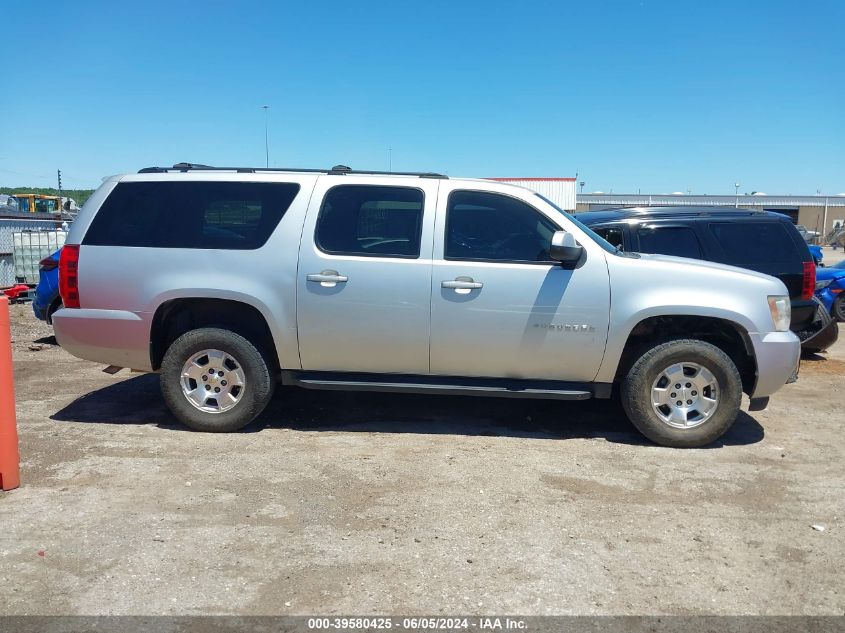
371 220
750 244
209 215
484 226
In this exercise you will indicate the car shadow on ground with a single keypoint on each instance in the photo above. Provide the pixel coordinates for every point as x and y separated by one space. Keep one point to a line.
138 401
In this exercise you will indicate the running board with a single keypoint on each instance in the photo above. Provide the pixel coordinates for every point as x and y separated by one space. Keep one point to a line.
446 385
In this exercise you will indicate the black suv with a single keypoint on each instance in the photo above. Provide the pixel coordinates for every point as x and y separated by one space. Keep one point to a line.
759 240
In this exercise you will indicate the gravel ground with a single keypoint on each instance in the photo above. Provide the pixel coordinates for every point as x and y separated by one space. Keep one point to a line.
389 504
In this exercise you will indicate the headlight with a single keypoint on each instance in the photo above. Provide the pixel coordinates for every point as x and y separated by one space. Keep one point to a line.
781 310
823 283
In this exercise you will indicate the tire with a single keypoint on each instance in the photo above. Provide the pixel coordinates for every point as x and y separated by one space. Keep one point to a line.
838 308
56 305
242 375
650 372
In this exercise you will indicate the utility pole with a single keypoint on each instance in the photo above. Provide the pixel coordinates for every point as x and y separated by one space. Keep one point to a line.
390 159
266 136
59 174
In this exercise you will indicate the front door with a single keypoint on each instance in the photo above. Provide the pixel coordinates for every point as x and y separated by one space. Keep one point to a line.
500 307
364 279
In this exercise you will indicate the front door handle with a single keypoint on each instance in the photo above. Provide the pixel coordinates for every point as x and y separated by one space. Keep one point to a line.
462 283
328 278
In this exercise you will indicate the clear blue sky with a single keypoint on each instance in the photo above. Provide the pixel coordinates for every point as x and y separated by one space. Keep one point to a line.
660 96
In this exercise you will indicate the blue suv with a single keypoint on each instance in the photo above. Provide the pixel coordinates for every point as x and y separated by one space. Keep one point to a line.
47 299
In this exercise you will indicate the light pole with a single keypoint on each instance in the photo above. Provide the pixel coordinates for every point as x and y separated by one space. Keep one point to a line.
266 136
736 195
390 159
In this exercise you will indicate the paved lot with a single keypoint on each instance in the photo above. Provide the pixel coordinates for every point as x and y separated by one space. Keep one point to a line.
368 504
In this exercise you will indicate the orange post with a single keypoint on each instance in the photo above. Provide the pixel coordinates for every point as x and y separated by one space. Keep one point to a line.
9 456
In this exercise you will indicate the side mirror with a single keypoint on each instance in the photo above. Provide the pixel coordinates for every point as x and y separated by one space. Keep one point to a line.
564 248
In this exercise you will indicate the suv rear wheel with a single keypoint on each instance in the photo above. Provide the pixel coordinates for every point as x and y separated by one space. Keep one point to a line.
682 393
215 380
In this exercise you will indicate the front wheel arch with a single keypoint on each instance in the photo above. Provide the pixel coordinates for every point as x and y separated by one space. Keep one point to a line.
729 336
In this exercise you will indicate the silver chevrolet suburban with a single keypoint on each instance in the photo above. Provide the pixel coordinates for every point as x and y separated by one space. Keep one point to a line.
227 280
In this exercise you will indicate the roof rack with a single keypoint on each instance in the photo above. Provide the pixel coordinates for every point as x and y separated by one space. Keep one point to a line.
337 170
666 211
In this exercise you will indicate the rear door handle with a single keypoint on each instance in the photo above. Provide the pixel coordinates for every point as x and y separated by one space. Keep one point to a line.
462 283
328 278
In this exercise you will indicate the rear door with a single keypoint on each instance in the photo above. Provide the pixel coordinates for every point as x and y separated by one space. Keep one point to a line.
364 278
678 240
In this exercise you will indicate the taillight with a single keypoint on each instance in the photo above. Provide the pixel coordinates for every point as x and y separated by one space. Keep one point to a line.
68 275
808 284
48 263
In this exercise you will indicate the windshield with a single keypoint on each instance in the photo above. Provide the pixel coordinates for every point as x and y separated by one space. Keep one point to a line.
23 204
598 239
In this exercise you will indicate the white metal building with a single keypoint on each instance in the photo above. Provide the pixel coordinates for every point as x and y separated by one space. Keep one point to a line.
561 191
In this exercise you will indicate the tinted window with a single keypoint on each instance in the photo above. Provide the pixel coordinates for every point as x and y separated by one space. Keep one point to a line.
224 215
679 241
747 244
489 226
371 220
612 235
598 239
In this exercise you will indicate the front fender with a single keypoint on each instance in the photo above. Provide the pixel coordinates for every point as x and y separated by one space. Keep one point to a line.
619 335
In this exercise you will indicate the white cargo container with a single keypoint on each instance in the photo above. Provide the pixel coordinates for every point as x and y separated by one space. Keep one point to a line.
29 248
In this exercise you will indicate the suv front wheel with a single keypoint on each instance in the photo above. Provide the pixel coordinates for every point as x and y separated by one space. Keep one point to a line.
215 380
682 393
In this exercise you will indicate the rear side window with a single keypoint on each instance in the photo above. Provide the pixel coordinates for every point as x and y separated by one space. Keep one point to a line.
371 220
679 241
750 244
211 215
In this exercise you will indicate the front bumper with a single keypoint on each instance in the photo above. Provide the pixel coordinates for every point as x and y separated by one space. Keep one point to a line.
777 355
824 337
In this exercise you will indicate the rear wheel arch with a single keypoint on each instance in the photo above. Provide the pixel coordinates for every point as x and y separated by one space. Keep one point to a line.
175 317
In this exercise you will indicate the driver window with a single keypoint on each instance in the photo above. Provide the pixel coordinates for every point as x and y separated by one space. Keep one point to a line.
484 226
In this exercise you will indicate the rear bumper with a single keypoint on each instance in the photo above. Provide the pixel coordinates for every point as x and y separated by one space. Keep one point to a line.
111 337
777 355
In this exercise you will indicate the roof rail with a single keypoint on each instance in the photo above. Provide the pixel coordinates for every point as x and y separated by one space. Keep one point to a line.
665 211
337 170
